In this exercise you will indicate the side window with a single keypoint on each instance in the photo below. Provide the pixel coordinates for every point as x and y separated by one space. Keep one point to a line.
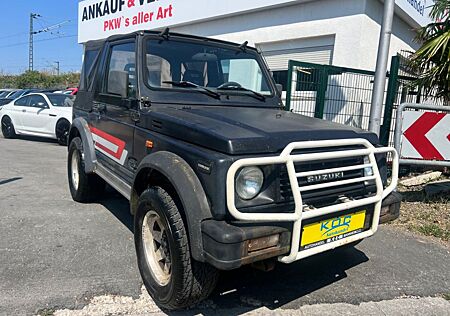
37 101
22 101
90 56
123 58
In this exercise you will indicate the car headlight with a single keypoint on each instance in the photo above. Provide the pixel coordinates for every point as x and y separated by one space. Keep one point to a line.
249 182
368 171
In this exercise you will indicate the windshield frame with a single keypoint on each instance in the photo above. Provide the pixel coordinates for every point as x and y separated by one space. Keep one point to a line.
214 43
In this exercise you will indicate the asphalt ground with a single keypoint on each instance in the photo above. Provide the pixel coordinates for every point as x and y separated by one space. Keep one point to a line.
56 254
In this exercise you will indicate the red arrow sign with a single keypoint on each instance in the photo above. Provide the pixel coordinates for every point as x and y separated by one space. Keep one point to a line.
416 134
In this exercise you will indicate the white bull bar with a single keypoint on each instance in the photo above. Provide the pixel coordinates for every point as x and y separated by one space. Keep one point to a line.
298 215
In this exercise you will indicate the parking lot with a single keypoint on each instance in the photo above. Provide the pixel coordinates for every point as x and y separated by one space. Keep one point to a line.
56 254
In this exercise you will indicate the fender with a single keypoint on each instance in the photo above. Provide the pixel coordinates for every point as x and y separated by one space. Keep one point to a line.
82 127
189 190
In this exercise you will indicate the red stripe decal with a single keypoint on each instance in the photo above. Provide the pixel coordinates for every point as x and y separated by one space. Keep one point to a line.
114 140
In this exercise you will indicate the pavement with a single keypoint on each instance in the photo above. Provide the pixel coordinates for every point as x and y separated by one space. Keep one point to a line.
64 258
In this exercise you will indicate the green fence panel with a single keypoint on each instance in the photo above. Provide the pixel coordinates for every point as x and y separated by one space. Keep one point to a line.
390 99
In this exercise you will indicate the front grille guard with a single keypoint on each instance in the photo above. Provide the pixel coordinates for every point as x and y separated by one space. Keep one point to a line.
297 215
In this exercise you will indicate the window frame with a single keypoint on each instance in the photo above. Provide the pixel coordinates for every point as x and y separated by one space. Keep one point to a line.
105 75
258 58
38 96
21 98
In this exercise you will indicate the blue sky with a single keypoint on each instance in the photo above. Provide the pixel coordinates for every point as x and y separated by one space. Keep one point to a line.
60 46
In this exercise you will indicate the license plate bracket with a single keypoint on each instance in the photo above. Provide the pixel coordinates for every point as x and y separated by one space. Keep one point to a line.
335 227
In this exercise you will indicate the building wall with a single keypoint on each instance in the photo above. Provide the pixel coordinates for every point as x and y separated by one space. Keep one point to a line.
355 25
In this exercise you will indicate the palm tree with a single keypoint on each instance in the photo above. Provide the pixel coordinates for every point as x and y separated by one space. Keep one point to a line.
432 60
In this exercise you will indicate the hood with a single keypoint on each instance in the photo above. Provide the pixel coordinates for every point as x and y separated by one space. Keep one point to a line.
239 130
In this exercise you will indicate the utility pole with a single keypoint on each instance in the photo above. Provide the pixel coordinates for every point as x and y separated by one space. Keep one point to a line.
33 32
31 50
57 67
380 72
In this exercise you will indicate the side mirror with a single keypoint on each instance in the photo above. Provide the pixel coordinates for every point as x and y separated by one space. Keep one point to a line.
43 105
279 88
118 83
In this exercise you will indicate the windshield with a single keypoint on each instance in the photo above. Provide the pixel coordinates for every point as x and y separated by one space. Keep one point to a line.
61 100
204 64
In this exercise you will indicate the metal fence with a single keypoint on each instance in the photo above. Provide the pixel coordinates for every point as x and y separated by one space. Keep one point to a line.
344 95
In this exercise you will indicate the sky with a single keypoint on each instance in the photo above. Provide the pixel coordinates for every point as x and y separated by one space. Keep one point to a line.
59 45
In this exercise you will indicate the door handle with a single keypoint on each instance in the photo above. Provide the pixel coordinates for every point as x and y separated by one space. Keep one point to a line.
24 111
53 115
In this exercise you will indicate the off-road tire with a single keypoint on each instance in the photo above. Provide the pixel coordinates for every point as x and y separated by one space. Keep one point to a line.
62 131
90 186
8 129
190 281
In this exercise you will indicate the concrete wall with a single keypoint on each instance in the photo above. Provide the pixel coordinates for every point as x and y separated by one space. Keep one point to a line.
355 24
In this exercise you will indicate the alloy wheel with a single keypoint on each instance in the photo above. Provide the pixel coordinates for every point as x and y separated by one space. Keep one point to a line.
156 248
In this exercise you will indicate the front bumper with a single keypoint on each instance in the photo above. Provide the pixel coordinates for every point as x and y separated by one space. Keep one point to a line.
226 245
302 213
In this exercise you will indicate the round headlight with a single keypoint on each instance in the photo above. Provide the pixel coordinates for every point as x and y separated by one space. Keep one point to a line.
368 171
249 182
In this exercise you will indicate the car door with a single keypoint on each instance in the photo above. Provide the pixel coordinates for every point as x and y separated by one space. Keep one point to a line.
37 117
17 111
113 130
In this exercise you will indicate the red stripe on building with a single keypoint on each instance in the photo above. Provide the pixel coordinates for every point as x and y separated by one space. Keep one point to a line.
114 140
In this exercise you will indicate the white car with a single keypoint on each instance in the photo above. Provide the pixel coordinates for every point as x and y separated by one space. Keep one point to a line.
38 114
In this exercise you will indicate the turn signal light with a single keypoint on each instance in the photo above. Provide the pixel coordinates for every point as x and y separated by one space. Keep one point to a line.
263 243
149 144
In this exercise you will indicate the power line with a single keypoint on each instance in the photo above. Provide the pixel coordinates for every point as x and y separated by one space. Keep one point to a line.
13 35
37 41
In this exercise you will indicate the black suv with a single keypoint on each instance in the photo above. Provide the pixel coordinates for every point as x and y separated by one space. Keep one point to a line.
193 132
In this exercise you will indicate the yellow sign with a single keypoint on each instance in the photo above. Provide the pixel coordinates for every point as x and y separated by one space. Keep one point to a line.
332 227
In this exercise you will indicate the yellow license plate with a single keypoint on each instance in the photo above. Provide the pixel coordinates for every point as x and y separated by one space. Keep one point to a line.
332 229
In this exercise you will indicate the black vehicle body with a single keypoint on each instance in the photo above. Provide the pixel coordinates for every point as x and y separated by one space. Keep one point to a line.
191 139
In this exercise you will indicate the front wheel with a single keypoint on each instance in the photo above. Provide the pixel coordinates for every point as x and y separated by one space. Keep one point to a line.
8 129
62 132
83 187
172 277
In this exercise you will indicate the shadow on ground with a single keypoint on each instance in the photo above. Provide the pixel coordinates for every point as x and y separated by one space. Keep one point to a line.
118 206
38 139
241 290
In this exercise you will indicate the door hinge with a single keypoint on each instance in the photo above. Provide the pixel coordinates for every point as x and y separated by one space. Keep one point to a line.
145 102
135 116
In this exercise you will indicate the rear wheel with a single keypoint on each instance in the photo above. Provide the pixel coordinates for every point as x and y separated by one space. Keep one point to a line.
172 277
62 132
8 129
83 187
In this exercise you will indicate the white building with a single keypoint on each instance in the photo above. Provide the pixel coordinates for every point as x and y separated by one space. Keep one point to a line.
338 32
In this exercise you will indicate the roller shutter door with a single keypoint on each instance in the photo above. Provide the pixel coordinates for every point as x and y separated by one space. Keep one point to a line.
278 59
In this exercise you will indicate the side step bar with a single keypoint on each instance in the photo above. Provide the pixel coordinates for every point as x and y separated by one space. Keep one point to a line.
113 180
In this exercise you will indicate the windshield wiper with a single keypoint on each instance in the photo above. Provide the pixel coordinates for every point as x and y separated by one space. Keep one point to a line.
254 94
188 84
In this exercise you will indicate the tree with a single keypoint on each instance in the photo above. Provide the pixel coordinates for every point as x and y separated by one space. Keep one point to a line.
432 60
40 80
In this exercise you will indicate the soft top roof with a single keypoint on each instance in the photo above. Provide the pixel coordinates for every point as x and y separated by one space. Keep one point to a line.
100 43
